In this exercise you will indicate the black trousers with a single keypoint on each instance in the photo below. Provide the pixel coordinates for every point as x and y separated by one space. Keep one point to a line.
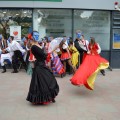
17 57
81 56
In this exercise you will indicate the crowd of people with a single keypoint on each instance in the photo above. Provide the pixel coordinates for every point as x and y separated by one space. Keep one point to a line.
43 59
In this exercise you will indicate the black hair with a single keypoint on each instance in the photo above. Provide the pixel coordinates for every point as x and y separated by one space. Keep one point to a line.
12 37
92 40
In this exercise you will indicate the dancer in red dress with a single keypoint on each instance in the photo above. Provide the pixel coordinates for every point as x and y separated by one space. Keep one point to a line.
93 62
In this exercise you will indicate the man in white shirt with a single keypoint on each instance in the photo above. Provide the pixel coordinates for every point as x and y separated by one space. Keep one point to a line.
18 51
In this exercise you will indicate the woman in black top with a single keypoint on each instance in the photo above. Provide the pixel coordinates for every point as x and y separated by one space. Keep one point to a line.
43 87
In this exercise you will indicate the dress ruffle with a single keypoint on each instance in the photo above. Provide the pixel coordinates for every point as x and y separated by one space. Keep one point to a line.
87 72
65 56
41 98
43 86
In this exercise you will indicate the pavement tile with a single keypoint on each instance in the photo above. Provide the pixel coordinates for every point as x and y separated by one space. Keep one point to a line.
72 103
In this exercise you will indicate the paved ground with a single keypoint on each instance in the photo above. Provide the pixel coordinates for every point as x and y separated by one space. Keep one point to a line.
72 103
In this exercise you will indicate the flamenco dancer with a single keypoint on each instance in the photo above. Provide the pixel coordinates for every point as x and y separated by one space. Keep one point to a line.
92 64
43 87
65 55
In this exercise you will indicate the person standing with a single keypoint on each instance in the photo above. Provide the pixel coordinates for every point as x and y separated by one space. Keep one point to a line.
84 45
74 53
43 87
78 44
91 65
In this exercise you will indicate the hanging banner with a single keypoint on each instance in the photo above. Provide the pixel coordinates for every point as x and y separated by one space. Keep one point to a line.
16 32
35 0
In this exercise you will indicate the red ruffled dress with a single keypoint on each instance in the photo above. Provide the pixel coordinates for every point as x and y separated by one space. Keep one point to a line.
64 55
87 72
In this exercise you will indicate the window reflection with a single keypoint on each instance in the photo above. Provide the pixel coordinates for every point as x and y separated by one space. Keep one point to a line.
94 23
53 22
15 17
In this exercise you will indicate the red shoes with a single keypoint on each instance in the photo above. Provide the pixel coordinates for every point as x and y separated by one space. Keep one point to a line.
45 103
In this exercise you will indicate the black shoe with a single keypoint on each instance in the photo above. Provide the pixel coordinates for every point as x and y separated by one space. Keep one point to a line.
53 101
3 71
110 68
103 72
14 71
62 75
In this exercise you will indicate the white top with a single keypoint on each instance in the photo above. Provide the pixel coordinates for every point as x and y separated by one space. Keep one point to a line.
55 43
84 44
64 46
14 45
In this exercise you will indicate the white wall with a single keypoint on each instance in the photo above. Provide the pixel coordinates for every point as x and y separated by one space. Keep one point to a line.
80 4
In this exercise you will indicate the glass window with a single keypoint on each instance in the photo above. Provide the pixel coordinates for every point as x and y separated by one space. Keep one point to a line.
95 24
53 22
15 17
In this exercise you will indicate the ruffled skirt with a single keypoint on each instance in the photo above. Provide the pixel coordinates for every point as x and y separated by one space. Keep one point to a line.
87 72
65 56
43 86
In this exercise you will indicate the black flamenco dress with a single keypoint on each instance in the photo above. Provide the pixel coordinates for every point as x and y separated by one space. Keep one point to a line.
43 86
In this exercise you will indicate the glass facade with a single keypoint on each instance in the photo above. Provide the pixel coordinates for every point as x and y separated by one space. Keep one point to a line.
15 17
58 22
101 24
53 22
94 24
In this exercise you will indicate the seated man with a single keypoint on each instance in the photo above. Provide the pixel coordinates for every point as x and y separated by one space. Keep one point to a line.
4 57
18 52
4 53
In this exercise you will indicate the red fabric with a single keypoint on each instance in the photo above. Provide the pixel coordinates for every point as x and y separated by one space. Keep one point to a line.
29 36
31 57
93 48
48 57
86 69
65 56
84 55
